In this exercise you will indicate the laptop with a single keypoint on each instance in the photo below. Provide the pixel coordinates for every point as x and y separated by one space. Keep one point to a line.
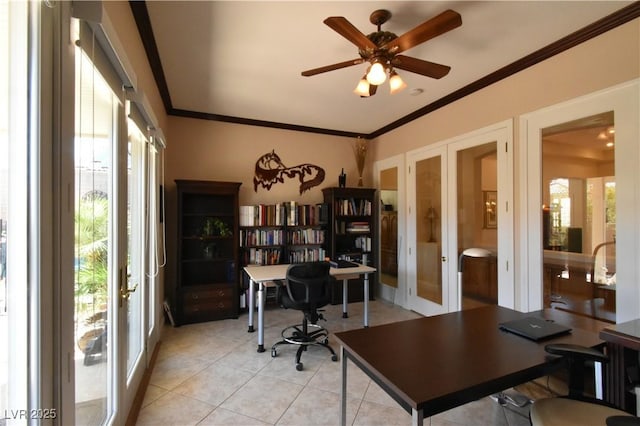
535 328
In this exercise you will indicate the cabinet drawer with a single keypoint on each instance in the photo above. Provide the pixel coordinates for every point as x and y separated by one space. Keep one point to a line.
208 294
191 307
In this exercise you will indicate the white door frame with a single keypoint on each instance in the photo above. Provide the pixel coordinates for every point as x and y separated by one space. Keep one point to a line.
623 100
502 134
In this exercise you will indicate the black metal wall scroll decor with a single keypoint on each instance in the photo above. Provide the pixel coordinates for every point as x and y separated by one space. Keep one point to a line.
270 170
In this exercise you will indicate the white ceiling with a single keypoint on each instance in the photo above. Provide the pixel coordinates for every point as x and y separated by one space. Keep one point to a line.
243 59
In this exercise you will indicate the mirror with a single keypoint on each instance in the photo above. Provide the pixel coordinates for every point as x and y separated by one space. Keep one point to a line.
389 227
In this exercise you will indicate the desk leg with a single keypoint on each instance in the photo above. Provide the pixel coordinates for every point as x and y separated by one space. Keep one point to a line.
261 317
343 388
345 296
598 380
366 300
416 417
252 304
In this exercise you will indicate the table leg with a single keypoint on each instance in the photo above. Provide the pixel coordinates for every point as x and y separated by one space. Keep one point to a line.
252 304
261 292
343 388
366 300
345 293
416 417
598 380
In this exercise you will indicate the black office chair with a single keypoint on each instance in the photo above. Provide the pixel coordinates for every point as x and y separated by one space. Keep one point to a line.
576 408
307 288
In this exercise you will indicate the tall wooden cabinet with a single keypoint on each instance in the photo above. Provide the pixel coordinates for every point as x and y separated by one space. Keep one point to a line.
351 235
207 255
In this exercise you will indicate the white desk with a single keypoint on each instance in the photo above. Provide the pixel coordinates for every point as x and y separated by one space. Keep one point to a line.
262 274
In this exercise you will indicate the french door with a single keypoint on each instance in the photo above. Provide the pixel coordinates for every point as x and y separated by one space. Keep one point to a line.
110 253
428 286
459 220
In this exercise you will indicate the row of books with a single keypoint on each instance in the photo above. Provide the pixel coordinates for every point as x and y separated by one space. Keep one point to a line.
275 237
363 243
261 237
305 236
307 255
290 213
353 207
343 227
357 227
261 256
272 256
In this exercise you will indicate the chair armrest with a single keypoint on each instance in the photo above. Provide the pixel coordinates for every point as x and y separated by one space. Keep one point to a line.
576 352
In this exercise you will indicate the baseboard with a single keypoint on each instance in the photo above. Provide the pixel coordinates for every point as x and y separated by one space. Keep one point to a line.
132 417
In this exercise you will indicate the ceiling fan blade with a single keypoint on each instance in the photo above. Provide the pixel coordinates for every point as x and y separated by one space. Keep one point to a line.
332 67
346 29
418 66
440 24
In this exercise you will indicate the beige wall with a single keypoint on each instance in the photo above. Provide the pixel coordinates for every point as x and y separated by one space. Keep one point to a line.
607 60
200 149
212 150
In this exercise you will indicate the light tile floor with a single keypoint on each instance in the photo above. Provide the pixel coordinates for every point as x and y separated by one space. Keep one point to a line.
211 374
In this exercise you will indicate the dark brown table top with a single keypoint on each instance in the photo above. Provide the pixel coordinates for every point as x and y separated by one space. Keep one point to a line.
626 334
440 362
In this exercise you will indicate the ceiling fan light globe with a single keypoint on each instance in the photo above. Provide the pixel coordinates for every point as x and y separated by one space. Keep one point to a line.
377 74
396 84
362 89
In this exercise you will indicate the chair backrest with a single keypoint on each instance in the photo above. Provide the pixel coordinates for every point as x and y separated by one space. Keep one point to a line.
308 286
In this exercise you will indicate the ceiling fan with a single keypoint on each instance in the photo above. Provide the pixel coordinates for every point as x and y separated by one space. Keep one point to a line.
382 50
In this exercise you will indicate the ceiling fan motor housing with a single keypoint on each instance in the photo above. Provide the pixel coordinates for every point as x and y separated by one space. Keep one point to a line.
379 38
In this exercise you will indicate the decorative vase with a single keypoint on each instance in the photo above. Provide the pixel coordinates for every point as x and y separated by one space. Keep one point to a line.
360 150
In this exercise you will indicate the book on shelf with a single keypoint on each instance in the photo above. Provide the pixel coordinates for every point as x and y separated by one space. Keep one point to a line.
302 255
305 236
262 215
363 243
262 256
358 227
353 207
289 213
261 237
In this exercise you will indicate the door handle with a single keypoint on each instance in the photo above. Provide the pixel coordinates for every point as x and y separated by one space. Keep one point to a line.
125 291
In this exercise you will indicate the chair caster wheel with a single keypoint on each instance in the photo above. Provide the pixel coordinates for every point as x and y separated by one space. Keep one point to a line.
334 358
299 366
274 353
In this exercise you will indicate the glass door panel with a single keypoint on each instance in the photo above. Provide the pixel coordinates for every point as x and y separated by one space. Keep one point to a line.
136 240
428 290
428 249
579 216
95 138
477 202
